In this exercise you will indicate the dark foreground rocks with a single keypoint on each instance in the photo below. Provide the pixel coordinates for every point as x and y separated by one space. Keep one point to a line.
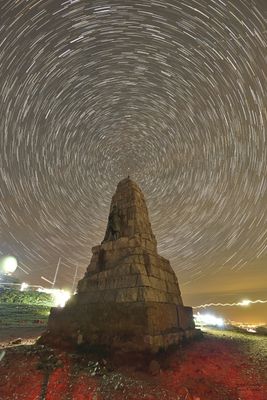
228 367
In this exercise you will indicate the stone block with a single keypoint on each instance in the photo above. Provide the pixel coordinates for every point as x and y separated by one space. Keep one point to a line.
111 283
92 283
142 280
154 271
172 288
127 295
138 268
127 281
153 259
162 318
121 269
168 277
171 298
185 317
101 283
150 246
134 259
148 294
103 274
95 296
157 283
122 242
139 251
110 296
134 242
162 274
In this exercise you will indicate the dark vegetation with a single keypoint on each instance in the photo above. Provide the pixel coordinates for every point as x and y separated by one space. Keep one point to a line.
22 309
11 296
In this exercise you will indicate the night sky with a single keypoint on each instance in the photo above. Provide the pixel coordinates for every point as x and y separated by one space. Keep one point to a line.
172 93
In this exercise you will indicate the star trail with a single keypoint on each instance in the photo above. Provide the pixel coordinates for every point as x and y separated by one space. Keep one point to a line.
172 93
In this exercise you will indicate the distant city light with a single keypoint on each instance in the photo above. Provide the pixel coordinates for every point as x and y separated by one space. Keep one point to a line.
24 286
208 319
8 264
251 330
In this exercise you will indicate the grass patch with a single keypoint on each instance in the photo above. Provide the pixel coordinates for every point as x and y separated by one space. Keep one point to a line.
25 309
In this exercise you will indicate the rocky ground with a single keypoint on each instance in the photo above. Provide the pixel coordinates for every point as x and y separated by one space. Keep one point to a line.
221 366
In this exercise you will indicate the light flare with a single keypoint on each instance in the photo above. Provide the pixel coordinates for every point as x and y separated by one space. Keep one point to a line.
209 319
243 303
60 296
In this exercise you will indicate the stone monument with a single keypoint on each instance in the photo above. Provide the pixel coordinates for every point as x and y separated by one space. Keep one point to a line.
129 297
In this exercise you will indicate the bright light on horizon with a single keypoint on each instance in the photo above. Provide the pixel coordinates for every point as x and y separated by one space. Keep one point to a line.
209 319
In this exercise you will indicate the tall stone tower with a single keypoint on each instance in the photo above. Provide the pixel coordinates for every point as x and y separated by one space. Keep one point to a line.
129 297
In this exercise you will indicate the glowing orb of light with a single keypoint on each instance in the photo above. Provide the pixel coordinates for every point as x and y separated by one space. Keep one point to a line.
61 297
8 264
245 303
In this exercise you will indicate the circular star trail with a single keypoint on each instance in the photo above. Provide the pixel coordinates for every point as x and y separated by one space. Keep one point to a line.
171 92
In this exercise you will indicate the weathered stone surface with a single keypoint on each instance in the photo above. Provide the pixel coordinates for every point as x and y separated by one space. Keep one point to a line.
185 317
129 296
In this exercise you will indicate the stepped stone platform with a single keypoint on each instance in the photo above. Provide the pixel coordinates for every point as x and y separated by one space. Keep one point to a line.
129 297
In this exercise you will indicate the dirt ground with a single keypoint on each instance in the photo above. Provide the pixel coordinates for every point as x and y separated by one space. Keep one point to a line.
221 366
9 334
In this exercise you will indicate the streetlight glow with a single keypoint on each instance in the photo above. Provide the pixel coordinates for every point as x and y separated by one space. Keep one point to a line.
24 286
8 264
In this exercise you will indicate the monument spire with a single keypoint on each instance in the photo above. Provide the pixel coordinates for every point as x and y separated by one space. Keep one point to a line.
128 212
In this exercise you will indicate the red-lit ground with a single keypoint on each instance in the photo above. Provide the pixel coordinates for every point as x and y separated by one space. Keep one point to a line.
221 366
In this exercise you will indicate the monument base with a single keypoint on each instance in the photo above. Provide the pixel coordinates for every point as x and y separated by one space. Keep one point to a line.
149 326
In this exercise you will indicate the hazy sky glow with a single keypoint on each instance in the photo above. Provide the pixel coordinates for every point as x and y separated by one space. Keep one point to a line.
173 93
